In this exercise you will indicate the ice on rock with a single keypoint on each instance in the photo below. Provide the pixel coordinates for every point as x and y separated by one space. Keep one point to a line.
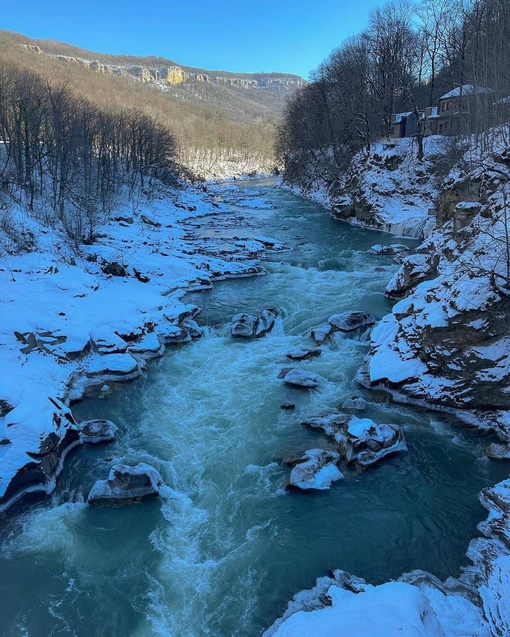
316 469
300 378
248 326
350 321
127 483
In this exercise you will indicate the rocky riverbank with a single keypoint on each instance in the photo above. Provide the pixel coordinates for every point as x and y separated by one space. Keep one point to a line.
445 346
76 322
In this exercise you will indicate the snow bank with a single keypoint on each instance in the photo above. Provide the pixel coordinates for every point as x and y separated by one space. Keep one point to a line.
67 327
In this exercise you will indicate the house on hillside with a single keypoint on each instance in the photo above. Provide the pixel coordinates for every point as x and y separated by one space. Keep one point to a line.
458 110
457 105
405 124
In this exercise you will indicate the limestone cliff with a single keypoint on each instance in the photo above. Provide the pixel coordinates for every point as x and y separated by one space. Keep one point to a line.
171 75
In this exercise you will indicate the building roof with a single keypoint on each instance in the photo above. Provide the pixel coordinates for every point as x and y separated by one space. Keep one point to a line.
400 116
466 89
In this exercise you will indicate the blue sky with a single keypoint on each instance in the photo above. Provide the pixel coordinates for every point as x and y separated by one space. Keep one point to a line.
291 36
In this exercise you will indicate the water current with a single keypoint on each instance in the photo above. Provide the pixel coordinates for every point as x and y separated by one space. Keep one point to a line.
225 547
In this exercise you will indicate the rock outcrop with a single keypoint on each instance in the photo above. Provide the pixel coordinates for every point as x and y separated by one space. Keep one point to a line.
315 470
360 441
172 75
249 326
126 484
38 434
447 342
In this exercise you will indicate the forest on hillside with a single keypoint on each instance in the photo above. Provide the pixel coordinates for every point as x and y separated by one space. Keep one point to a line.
208 123
404 61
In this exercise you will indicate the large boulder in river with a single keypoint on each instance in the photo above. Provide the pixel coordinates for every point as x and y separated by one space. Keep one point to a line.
360 440
350 321
299 378
366 442
248 326
316 469
243 325
127 483
93 432
321 333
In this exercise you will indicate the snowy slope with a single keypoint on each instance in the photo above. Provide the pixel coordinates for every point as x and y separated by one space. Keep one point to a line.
75 320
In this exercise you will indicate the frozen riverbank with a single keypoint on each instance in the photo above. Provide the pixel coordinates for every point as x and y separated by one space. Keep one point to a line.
73 322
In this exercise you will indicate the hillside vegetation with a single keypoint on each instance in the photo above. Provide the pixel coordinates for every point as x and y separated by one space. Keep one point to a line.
440 61
217 127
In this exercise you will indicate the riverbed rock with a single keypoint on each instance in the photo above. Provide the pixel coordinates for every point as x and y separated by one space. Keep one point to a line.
265 322
243 325
355 403
351 321
125 484
96 431
300 378
331 424
393 249
360 440
366 442
321 333
284 406
316 470
498 452
298 354
249 326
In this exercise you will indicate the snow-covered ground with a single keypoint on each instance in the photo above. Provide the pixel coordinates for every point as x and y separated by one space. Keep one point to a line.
76 321
387 189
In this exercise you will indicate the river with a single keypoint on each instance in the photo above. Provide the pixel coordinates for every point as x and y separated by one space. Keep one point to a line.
225 547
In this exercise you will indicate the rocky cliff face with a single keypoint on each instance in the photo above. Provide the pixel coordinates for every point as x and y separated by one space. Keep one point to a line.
447 342
171 75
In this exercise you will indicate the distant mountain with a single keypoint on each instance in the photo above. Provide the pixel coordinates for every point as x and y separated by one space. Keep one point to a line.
261 95
224 122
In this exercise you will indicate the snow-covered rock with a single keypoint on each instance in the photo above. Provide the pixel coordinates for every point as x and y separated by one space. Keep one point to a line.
351 321
321 333
298 354
316 469
248 326
95 431
126 483
300 378
360 440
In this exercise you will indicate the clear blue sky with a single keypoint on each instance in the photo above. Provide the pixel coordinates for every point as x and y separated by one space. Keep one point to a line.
291 36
